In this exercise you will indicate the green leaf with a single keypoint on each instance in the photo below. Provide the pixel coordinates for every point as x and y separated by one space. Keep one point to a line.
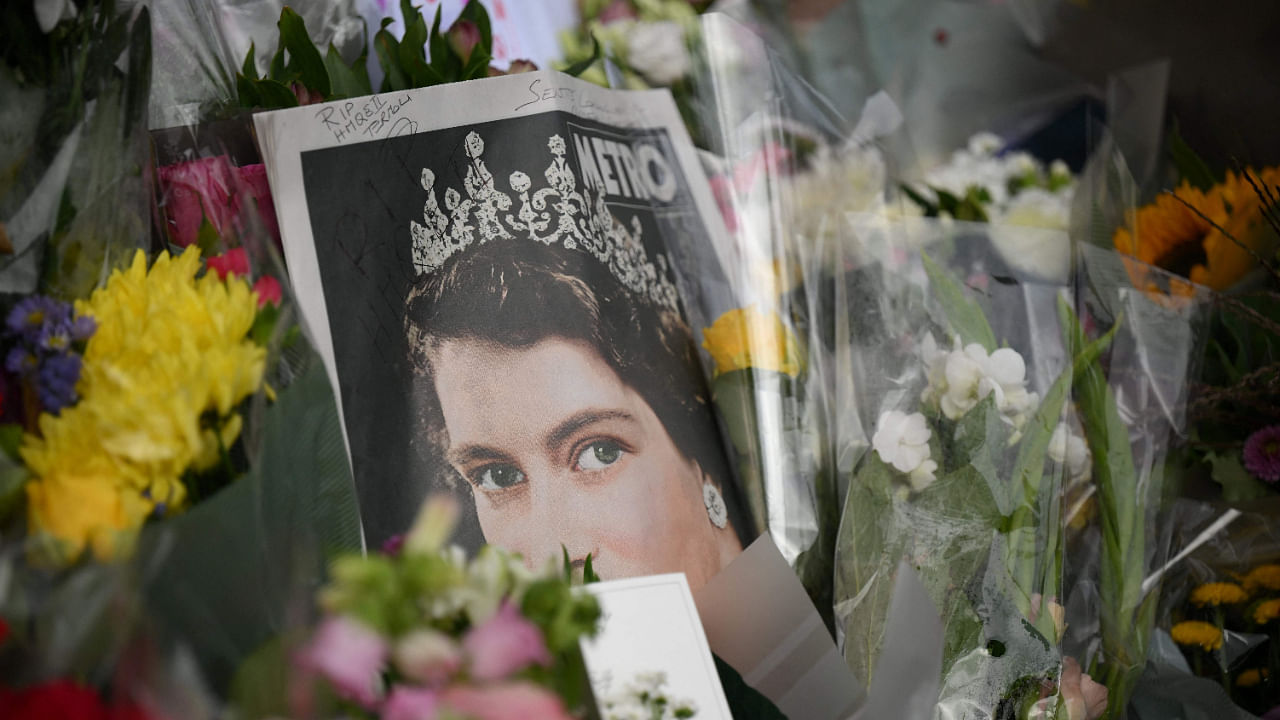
207 238
11 441
346 82
441 53
964 315
304 59
930 208
867 557
476 13
388 51
247 93
1238 484
1121 509
13 485
477 66
275 94
1190 166
581 66
264 324
277 69
588 573
250 67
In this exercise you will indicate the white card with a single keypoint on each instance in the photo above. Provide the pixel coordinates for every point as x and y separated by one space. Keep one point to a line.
650 625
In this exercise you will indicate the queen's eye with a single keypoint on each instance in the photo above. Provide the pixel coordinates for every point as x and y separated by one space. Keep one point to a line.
600 455
497 477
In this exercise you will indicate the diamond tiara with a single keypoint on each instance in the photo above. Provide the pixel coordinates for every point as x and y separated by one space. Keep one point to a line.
558 214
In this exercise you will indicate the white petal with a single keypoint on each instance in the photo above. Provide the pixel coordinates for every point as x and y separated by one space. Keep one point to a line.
916 430
923 476
1007 366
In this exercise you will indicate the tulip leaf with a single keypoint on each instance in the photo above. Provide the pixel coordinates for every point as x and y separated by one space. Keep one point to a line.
250 67
581 66
388 51
964 315
346 82
304 59
1238 485
275 94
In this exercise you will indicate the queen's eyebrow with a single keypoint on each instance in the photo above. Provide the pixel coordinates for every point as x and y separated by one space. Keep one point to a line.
561 433
466 454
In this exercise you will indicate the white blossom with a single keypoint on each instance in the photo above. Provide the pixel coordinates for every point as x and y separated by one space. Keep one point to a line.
1069 450
51 12
963 377
658 51
1030 233
902 440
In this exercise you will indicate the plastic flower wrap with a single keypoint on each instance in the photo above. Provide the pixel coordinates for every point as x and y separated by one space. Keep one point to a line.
162 377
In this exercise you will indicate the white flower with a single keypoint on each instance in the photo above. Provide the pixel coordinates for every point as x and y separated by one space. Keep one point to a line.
963 377
902 440
427 656
1031 233
658 51
1069 450
51 12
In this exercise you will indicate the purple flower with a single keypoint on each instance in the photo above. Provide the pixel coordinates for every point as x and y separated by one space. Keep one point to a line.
1262 454
56 382
83 328
506 643
55 338
410 703
33 314
20 360
393 545
350 656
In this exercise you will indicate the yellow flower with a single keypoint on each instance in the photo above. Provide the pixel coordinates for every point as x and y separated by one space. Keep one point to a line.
1267 611
748 338
161 379
1251 678
1266 577
1218 593
1195 632
1172 236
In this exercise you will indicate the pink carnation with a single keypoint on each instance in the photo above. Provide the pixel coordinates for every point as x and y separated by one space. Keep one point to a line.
507 701
1262 454
233 262
506 643
350 656
268 289
410 703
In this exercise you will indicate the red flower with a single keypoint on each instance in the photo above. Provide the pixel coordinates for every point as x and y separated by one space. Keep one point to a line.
213 189
268 289
232 262
4 630
56 700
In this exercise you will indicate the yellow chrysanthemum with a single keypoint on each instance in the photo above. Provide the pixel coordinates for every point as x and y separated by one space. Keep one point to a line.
1264 577
1267 611
1172 236
1197 633
161 378
1215 594
748 338
1251 678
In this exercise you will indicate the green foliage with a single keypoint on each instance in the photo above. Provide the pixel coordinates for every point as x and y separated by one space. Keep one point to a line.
971 207
1238 484
964 315
299 65
869 550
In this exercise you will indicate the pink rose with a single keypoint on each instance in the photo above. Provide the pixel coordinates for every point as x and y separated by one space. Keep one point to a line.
233 262
269 291
1084 698
504 644
194 191
507 701
212 188
349 655
254 178
615 11
410 703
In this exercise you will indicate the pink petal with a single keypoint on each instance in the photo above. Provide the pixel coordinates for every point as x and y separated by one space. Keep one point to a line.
410 703
509 701
350 656
506 643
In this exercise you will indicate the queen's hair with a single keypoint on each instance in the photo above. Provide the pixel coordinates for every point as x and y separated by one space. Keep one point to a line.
515 294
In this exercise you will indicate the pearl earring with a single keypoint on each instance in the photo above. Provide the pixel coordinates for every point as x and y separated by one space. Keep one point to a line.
714 501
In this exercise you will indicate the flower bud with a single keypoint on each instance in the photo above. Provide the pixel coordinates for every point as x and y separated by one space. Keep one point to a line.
463 38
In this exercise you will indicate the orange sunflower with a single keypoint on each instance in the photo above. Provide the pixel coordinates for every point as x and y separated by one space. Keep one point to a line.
1172 236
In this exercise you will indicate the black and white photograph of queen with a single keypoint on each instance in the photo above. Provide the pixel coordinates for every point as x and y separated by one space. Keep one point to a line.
523 348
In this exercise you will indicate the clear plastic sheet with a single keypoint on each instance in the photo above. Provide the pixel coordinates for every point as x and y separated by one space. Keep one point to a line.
169 623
